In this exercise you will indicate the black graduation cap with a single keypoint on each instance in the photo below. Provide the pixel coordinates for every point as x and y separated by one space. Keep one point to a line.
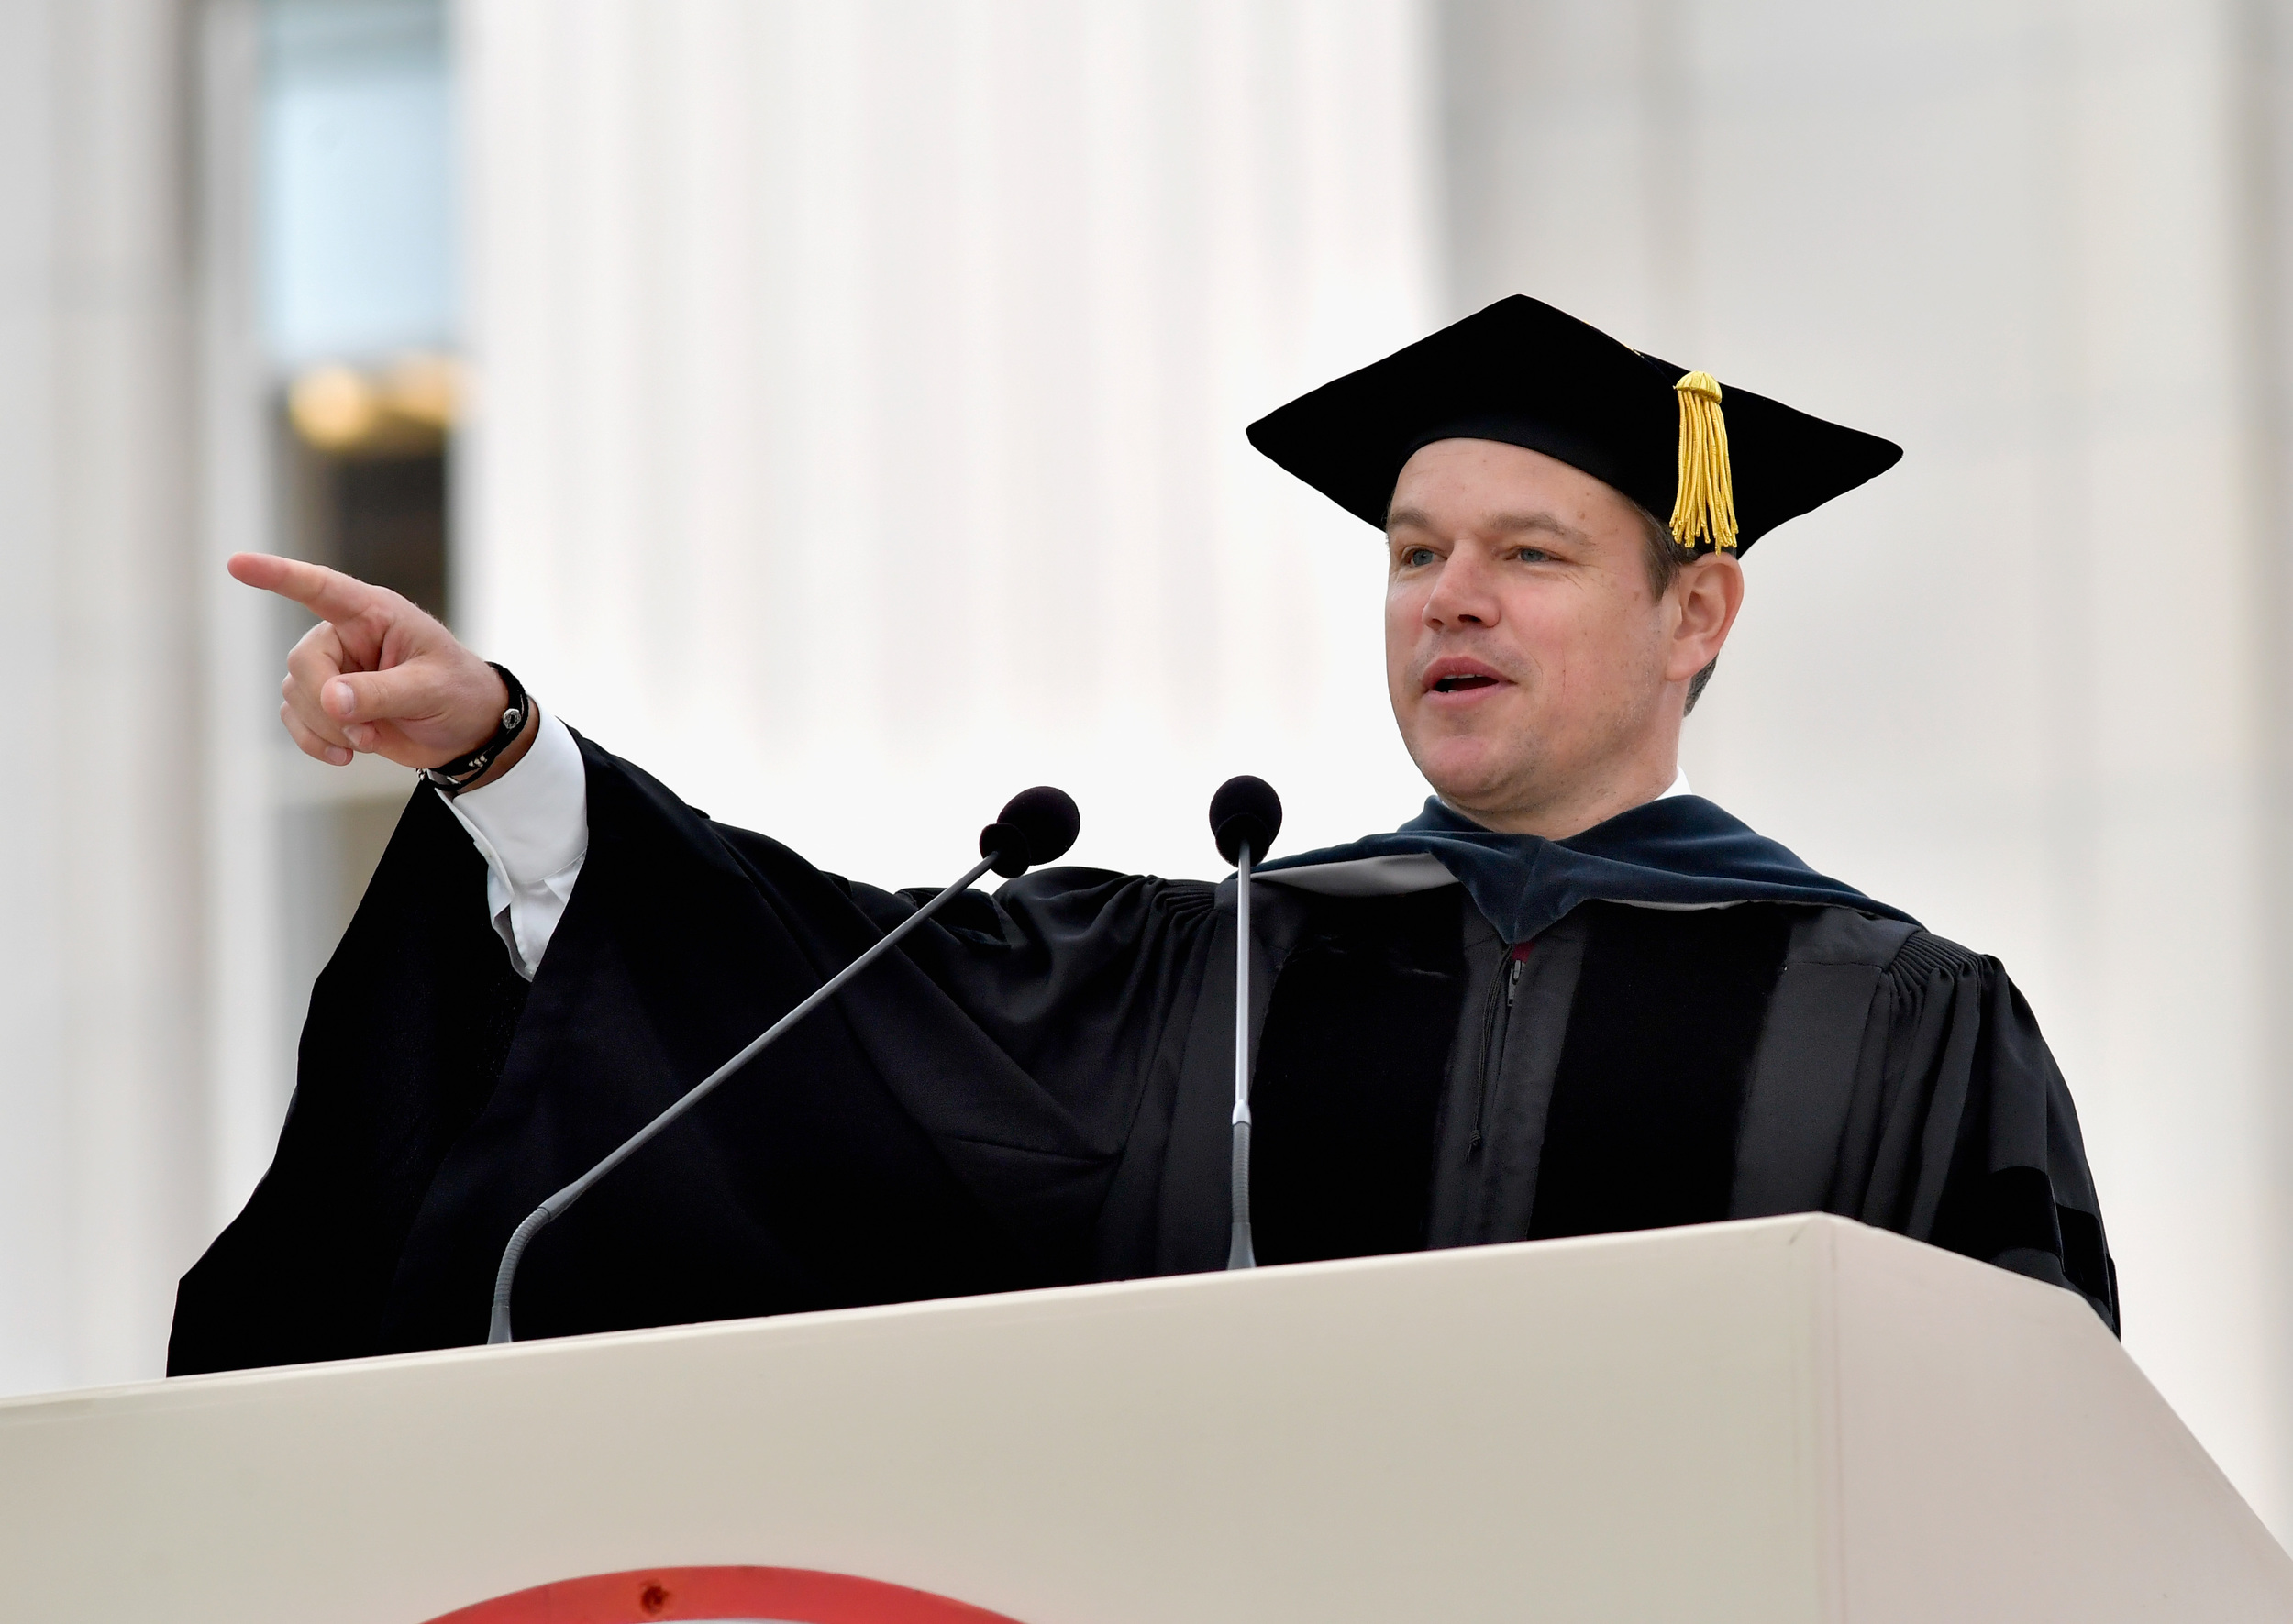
1728 465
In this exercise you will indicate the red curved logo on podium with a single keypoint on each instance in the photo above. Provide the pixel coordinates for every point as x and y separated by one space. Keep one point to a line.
784 1596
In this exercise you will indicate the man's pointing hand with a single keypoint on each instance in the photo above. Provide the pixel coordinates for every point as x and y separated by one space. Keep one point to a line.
377 675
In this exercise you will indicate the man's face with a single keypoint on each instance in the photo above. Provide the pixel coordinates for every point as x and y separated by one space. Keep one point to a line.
1528 660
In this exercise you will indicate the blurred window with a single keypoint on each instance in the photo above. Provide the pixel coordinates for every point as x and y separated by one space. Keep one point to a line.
357 179
358 283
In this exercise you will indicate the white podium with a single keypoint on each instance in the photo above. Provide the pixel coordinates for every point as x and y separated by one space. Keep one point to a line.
1793 1419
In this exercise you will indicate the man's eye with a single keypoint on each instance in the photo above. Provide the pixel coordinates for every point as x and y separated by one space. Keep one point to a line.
1417 558
1531 555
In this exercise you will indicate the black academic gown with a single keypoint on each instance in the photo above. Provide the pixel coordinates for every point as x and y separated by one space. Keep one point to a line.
1667 1019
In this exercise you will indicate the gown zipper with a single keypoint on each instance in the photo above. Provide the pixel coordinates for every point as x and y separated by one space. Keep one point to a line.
1493 1038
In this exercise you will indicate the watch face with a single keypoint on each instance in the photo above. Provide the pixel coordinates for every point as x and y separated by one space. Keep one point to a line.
721 1595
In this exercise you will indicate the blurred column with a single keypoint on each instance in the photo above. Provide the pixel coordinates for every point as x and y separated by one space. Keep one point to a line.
2025 685
102 1155
2261 131
860 393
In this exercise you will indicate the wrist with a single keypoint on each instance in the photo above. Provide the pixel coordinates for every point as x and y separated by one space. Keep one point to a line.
511 753
497 751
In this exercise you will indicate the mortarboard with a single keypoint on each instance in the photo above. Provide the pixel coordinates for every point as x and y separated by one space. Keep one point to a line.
1729 466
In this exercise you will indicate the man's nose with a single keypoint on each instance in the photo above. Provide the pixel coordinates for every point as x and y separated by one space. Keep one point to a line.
1464 595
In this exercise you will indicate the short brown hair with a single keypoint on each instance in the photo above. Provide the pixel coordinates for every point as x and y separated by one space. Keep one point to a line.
1665 559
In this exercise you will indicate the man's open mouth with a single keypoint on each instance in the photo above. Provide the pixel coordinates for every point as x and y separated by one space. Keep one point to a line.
1459 684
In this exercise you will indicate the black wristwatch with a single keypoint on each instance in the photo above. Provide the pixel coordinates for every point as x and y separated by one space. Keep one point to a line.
455 776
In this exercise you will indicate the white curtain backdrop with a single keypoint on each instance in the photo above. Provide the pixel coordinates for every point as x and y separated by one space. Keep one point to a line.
2028 684
861 393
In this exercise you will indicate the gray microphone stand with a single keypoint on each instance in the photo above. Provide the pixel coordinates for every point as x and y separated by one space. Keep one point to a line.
505 1277
1238 1253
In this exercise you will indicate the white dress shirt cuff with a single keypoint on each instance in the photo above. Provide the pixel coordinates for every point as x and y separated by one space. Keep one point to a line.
531 824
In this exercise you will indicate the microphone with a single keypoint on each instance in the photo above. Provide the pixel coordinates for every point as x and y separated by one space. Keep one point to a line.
1036 827
1244 816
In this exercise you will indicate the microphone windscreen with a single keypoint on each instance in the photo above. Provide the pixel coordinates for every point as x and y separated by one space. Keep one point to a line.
1245 810
1046 818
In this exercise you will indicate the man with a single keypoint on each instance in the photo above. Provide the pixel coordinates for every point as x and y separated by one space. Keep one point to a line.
1568 998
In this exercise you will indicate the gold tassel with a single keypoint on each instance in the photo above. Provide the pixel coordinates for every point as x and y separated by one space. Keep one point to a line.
1705 508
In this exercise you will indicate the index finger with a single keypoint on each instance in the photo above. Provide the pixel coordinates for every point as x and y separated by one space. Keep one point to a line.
326 593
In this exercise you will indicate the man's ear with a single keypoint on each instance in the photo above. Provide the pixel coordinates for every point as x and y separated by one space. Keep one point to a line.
1708 593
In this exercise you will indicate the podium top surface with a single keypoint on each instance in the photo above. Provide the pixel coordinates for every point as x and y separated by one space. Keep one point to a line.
1784 1419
